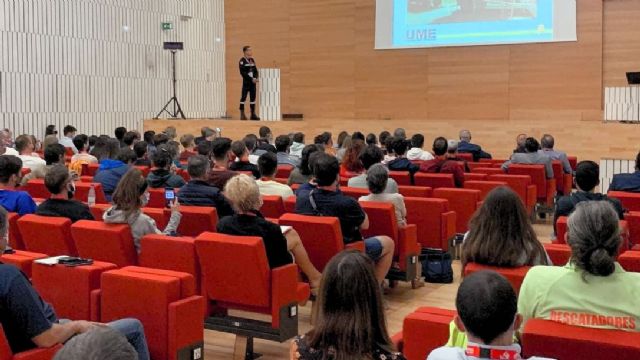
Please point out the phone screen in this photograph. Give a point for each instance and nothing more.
(169, 196)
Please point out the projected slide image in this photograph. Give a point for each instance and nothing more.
(449, 11)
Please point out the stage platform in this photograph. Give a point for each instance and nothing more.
(586, 139)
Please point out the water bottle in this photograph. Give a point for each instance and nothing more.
(91, 199)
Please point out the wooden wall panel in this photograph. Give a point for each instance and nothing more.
(621, 45)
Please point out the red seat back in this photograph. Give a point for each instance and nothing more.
(105, 242)
(47, 235)
(537, 174)
(290, 204)
(82, 192)
(401, 177)
(475, 177)
(629, 200)
(562, 229)
(487, 170)
(415, 191)
(436, 225)
(434, 181)
(272, 206)
(92, 169)
(630, 261)
(485, 187)
(521, 185)
(558, 253)
(425, 330)
(196, 220)
(320, 235)
(37, 189)
(284, 171)
(466, 156)
(355, 193)
(463, 201)
(144, 169)
(633, 221)
(558, 174)
(573, 161)
(514, 275)
(157, 198)
(15, 239)
(382, 219)
(171, 253)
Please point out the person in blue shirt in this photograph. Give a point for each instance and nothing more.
(627, 182)
(10, 175)
(401, 163)
(113, 165)
(465, 146)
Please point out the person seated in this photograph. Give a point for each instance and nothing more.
(53, 155)
(416, 152)
(587, 178)
(340, 152)
(487, 312)
(351, 165)
(532, 156)
(302, 174)
(268, 165)
(111, 170)
(6, 143)
(547, 142)
(29, 322)
(61, 203)
(141, 148)
(171, 132)
(81, 142)
(208, 135)
(441, 164)
(130, 139)
(198, 192)
(466, 146)
(352, 315)
(265, 141)
(382, 138)
(69, 132)
(26, 147)
(371, 140)
(119, 133)
(400, 133)
(452, 154)
(627, 182)
(388, 150)
(251, 141)
(297, 145)
(189, 147)
(131, 195)
(327, 200)
(163, 173)
(221, 153)
(401, 163)
(242, 191)
(370, 156)
(100, 343)
(242, 163)
(500, 234)
(11, 199)
(282, 146)
(325, 139)
(520, 140)
(377, 179)
(592, 290)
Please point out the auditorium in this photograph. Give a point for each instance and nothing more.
(319, 180)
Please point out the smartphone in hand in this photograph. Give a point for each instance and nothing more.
(169, 196)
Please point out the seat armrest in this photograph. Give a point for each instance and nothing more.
(186, 325)
(407, 243)
(398, 341)
(532, 197)
(551, 191)
(358, 245)
(284, 284)
(567, 184)
(448, 228)
(96, 305)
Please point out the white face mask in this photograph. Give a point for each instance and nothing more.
(145, 198)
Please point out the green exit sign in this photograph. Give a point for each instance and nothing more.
(167, 26)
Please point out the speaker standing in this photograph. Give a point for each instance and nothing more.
(249, 73)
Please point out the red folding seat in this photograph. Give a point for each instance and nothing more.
(564, 182)
(158, 215)
(401, 177)
(320, 235)
(15, 239)
(423, 331)
(98, 210)
(195, 219)
(171, 312)
(514, 275)
(436, 224)
(463, 201)
(35, 354)
(573, 161)
(184, 173)
(492, 161)
(104, 242)
(254, 288)
(633, 221)
(474, 165)
(382, 221)
(170, 253)
(47, 235)
(355, 193)
(487, 170)
(23, 260)
(468, 157)
(284, 171)
(272, 206)
(551, 339)
(69, 304)
(629, 200)
(25, 171)
(558, 253)
(86, 179)
(522, 186)
(82, 192)
(475, 177)
(157, 198)
(92, 169)
(484, 187)
(415, 191)
(630, 261)
(545, 188)
(36, 188)
(144, 169)
(434, 181)
(561, 233)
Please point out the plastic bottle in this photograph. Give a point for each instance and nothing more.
(91, 199)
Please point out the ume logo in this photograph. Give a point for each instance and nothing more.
(421, 34)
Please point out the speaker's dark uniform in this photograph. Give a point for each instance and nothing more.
(249, 72)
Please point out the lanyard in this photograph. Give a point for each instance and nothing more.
(493, 354)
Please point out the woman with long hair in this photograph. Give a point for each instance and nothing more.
(351, 322)
(302, 174)
(351, 161)
(130, 197)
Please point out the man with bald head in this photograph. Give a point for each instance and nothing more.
(520, 140)
(465, 146)
(547, 143)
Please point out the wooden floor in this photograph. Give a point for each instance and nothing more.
(401, 301)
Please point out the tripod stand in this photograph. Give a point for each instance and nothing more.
(177, 109)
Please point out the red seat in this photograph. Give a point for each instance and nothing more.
(423, 331)
(74, 304)
(171, 253)
(382, 221)
(564, 182)
(82, 192)
(514, 275)
(468, 157)
(630, 261)
(35, 354)
(434, 181)
(558, 253)
(158, 215)
(474, 165)
(463, 201)
(157, 198)
(436, 224)
(415, 191)
(573, 161)
(23, 260)
(475, 177)
(195, 220)
(105, 242)
(92, 169)
(487, 170)
(633, 221)
(25, 171)
(630, 201)
(485, 187)
(144, 169)
(284, 171)
(545, 188)
(15, 238)
(320, 235)
(47, 235)
(355, 193)
(171, 311)
(561, 233)
(272, 206)
(521, 185)
(551, 339)
(185, 174)
(86, 179)
(401, 177)
(492, 161)
(254, 288)
(290, 204)
(36, 188)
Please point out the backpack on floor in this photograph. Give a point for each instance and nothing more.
(436, 266)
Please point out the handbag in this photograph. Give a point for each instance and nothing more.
(436, 266)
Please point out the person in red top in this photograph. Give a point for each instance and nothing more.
(441, 164)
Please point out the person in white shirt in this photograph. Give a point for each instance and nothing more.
(5, 140)
(416, 152)
(377, 178)
(25, 148)
(69, 132)
(268, 166)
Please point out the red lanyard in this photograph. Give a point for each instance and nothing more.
(493, 354)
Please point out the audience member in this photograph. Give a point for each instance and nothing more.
(81, 142)
(268, 165)
(141, 149)
(346, 144)
(171, 132)
(207, 135)
(119, 133)
(382, 138)
(130, 139)
(189, 146)
(221, 151)
(297, 145)
(351, 322)
(198, 192)
(50, 130)
(592, 290)
(69, 132)
(452, 154)
(163, 175)
(416, 152)
(6, 144)
(327, 200)
(242, 191)
(160, 139)
(53, 155)
(400, 133)
(302, 174)
(113, 168)
(251, 141)
(351, 159)
(401, 163)
(26, 148)
(371, 140)
(466, 146)
(282, 147)
(325, 139)
(342, 136)
(370, 156)
(148, 138)
(61, 203)
(11, 199)
(377, 179)
(388, 148)
(129, 198)
(265, 141)
(99, 343)
(520, 141)
(440, 164)
(547, 142)
(242, 163)
(532, 156)
(48, 140)
(627, 182)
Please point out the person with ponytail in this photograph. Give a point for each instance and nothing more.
(592, 290)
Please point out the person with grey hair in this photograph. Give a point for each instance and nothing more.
(101, 343)
(452, 154)
(465, 146)
(377, 178)
(198, 192)
(547, 143)
(592, 290)
(399, 133)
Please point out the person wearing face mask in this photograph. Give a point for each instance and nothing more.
(129, 198)
(12, 200)
(61, 204)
